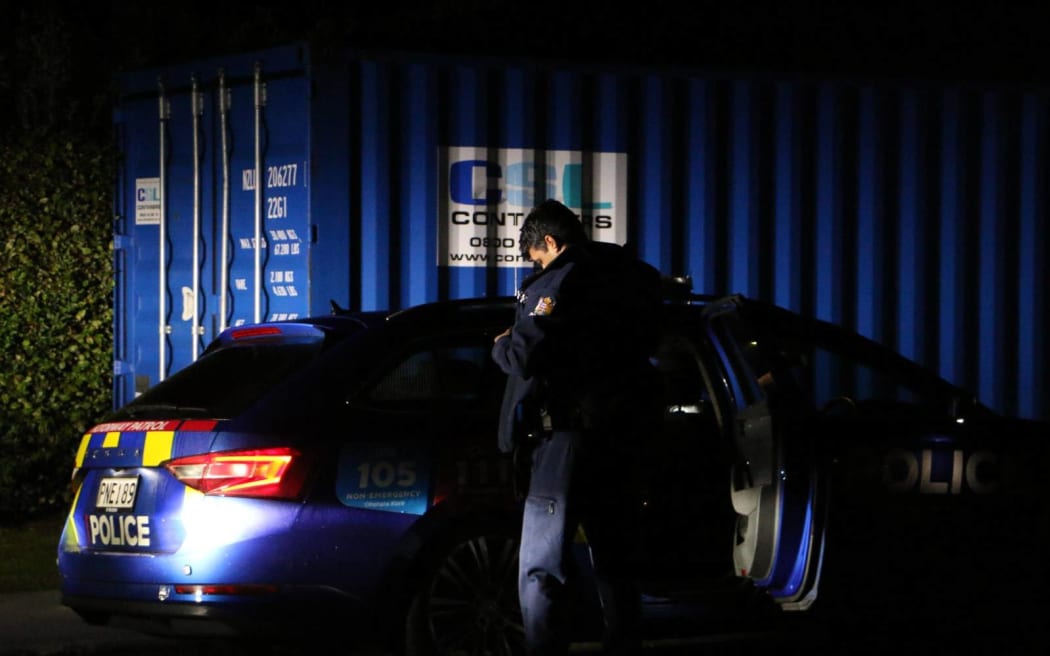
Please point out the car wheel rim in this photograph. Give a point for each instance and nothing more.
(472, 606)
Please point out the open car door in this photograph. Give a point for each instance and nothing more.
(774, 482)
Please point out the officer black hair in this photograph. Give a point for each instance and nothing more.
(550, 218)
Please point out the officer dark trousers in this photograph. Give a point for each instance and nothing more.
(560, 498)
(545, 561)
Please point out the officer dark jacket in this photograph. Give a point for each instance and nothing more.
(583, 330)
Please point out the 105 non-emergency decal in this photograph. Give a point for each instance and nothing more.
(383, 477)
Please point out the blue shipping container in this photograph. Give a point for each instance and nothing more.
(267, 185)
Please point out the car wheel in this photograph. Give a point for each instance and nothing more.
(466, 601)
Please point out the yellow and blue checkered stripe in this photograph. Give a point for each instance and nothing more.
(113, 445)
(132, 449)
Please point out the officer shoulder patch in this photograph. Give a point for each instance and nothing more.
(544, 307)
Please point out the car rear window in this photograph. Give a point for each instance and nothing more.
(222, 383)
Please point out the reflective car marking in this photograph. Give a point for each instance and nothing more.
(132, 448)
(134, 426)
(118, 530)
(382, 477)
(129, 449)
(940, 472)
(82, 450)
(157, 447)
(71, 534)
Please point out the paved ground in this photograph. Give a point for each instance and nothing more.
(36, 624)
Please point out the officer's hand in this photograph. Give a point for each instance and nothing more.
(505, 333)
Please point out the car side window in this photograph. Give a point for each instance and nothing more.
(456, 373)
(745, 356)
(413, 379)
(833, 370)
(676, 360)
(688, 410)
(820, 367)
(836, 375)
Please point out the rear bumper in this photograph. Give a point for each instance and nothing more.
(307, 610)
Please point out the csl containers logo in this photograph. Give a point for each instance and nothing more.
(487, 192)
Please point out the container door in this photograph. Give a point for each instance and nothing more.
(773, 483)
(213, 214)
(265, 276)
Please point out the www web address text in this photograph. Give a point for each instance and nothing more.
(483, 258)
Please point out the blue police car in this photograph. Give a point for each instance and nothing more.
(340, 474)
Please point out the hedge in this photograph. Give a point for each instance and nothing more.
(56, 287)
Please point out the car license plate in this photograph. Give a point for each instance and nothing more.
(117, 493)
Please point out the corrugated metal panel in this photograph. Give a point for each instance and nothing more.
(913, 213)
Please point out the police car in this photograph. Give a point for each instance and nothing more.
(340, 474)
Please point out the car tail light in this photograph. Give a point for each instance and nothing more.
(272, 473)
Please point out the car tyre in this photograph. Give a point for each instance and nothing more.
(465, 600)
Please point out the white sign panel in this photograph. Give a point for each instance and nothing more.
(487, 192)
(147, 201)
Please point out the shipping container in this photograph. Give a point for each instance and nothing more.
(269, 185)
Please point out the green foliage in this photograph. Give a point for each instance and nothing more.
(56, 285)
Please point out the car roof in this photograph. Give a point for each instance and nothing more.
(442, 311)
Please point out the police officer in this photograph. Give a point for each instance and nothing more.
(580, 388)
